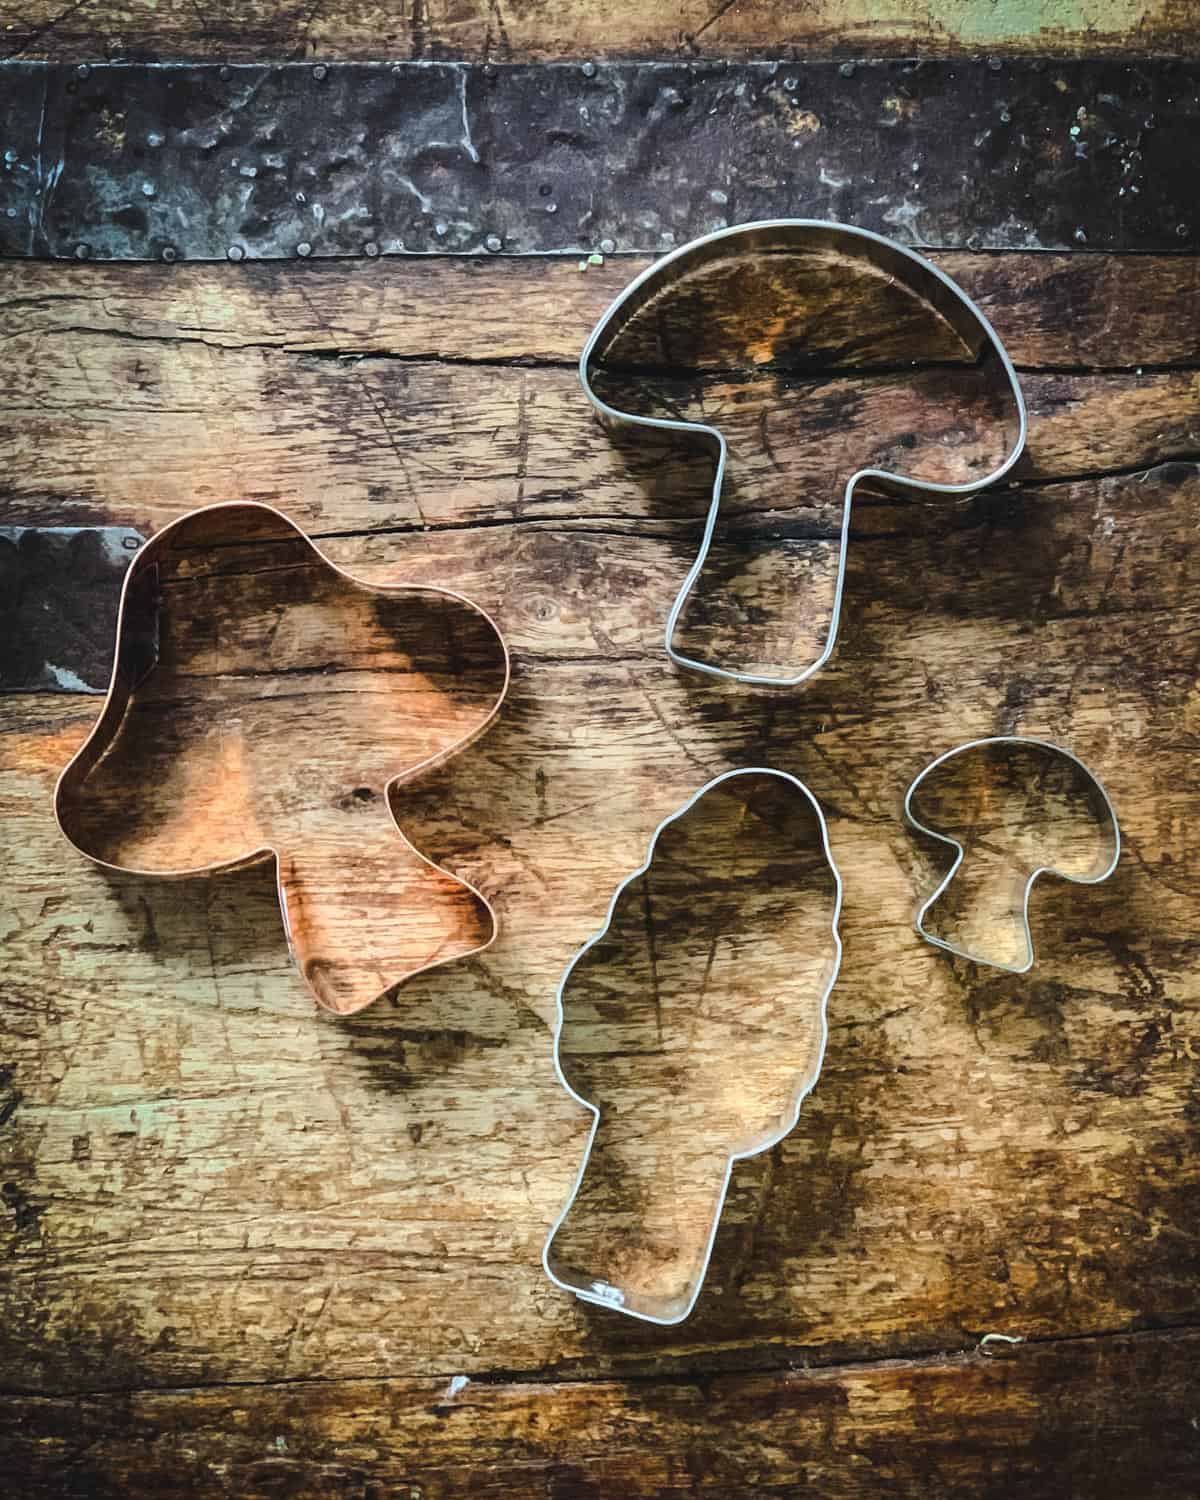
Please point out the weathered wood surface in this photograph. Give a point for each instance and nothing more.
(1075, 1418)
(489, 29)
(206, 1183)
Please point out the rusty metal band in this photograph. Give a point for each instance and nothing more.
(144, 161)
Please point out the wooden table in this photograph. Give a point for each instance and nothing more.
(251, 1251)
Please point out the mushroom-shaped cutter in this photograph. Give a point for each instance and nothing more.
(744, 250)
(691, 1027)
(265, 704)
(1013, 809)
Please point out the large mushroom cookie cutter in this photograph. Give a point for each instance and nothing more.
(260, 703)
(694, 1103)
(779, 236)
(1103, 866)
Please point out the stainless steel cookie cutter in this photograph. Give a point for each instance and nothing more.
(237, 799)
(1102, 801)
(779, 236)
(601, 1293)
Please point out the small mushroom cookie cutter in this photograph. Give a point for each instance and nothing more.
(1104, 865)
(775, 236)
(261, 699)
(699, 1187)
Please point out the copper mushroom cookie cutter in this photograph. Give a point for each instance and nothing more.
(1104, 867)
(779, 236)
(777, 1112)
(260, 699)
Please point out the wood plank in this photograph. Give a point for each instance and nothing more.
(202, 1182)
(1060, 312)
(583, 28)
(111, 430)
(207, 1184)
(1091, 1417)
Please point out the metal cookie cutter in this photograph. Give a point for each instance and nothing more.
(261, 701)
(1007, 879)
(775, 237)
(708, 1055)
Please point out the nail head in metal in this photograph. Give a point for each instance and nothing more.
(303, 248)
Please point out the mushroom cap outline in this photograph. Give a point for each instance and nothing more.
(905, 265)
(120, 691)
(611, 1297)
(960, 851)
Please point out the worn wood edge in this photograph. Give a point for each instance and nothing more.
(137, 29)
(1075, 1416)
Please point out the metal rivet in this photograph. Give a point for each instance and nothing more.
(397, 70)
(439, 228)
(235, 252)
(551, 207)
(494, 243)
(82, 252)
(790, 85)
(588, 70)
(225, 74)
(608, 247)
(847, 70)
(10, 156)
(371, 249)
(83, 70)
(320, 72)
(1081, 236)
(303, 248)
(148, 190)
(1182, 231)
(1006, 117)
(169, 253)
(995, 63)
(489, 70)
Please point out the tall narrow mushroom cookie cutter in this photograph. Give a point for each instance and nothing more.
(1102, 798)
(602, 1294)
(129, 671)
(776, 236)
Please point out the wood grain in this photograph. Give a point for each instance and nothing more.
(474, 28)
(1088, 1417)
(202, 1184)
(1054, 312)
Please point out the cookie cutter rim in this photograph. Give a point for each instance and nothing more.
(885, 254)
(960, 851)
(113, 711)
(612, 1297)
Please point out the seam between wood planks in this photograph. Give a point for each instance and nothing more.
(567, 1375)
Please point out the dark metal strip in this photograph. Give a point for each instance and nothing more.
(144, 161)
(59, 590)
